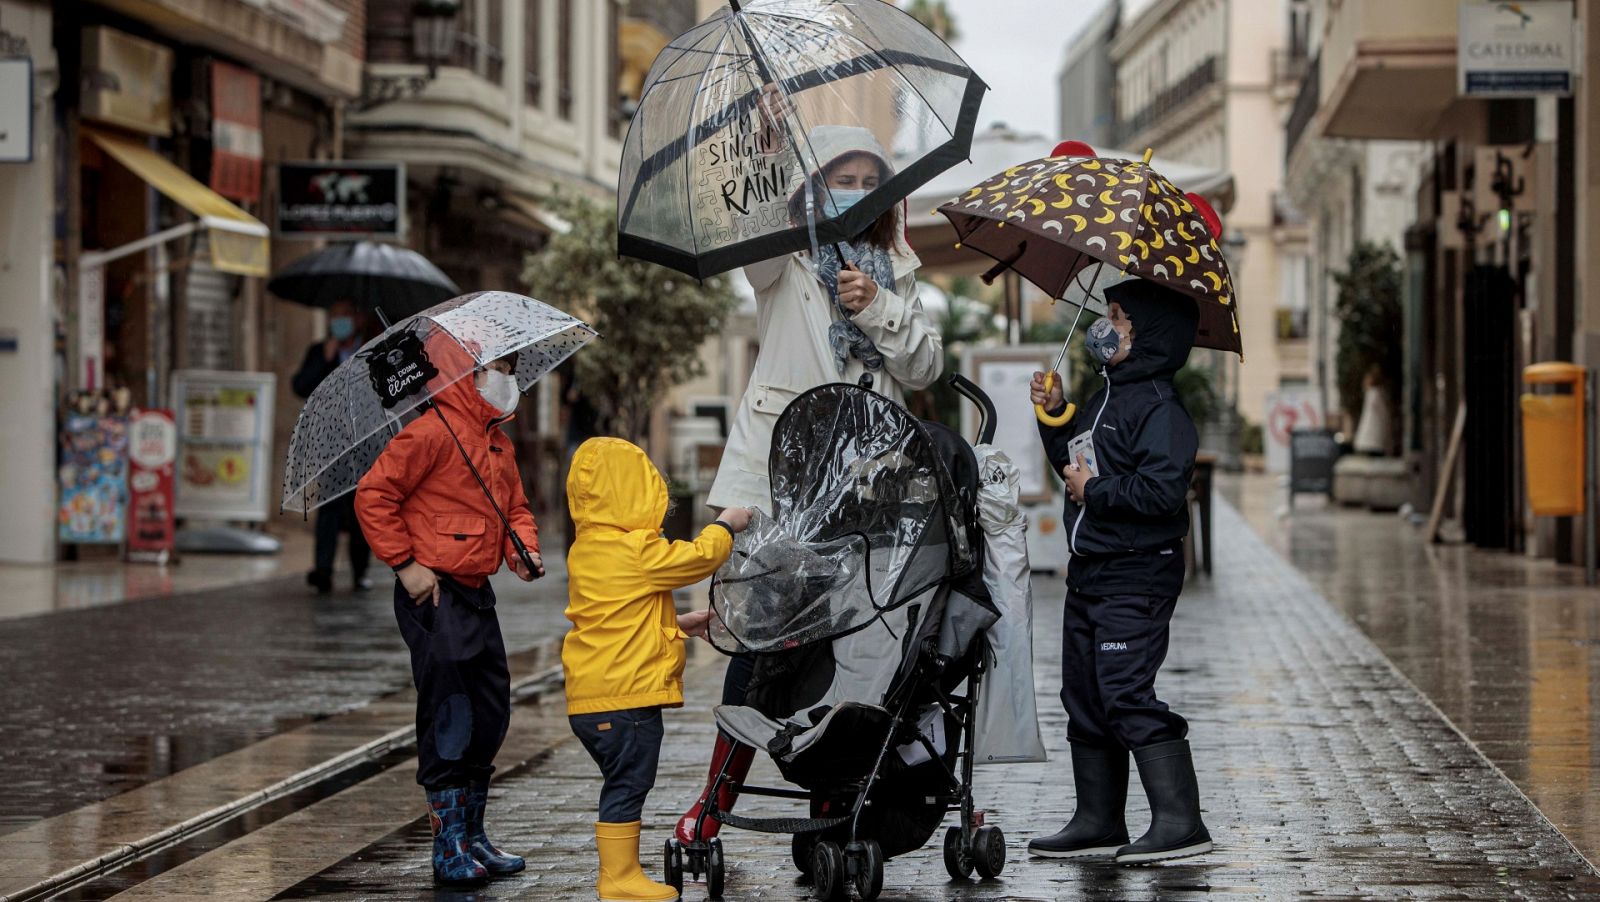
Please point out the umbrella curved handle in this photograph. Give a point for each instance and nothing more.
(1060, 419)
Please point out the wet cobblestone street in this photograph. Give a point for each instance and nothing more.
(1324, 774)
(103, 700)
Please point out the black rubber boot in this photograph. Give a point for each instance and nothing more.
(1097, 828)
(1167, 772)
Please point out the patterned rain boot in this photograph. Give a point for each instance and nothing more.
(453, 864)
(496, 862)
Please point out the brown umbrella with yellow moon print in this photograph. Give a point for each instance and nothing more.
(1059, 220)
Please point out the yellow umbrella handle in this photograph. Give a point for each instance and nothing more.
(1060, 419)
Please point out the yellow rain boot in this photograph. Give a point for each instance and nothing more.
(621, 878)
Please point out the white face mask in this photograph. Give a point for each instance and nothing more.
(499, 389)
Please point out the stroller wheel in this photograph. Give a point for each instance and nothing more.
(714, 869)
(989, 852)
(672, 859)
(800, 849)
(868, 876)
(827, 872)
(957, 859)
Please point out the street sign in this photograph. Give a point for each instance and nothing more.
(342, 200)
(1521, 49)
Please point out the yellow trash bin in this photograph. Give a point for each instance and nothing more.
(1552, 440)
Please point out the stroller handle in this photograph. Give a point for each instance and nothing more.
(968, 389)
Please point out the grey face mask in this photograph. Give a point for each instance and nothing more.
(1102, 341)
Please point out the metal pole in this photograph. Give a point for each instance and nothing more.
(1590, 455)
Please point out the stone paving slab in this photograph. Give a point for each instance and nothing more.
(59, 848)
(1324, 774)
(1507, 646)
(279, 855)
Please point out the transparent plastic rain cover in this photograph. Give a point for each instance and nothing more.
(867, 518)
(712, 177)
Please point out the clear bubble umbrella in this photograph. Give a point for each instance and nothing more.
(740, 114)
(392, 379)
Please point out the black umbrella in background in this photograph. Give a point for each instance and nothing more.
(398, 281)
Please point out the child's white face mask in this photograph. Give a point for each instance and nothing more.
(499, 389)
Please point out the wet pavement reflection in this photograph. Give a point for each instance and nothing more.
(1506, 646)
(103, 700)
(1324, 774)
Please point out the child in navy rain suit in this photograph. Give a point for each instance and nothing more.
(1127, 457)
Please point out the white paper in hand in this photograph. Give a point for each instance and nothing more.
(1084, 445)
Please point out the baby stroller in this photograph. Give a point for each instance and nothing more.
(863, 600)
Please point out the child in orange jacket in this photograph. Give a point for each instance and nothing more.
(624, 655)
(426, 516)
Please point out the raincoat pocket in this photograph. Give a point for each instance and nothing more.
(457, 539)
(766, 401)
(674, 654)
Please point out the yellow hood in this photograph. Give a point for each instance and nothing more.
(613, 484)
(625, 649)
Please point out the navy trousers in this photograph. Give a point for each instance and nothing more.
(458, 662)
(1111, 649)
(627, 746)
(333, 518)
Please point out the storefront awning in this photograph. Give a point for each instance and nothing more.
(539, 218)
(237, 241)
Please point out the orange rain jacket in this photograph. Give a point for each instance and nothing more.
(625, 649)
(419, 502)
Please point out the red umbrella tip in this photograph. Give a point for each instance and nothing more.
(1073, 149)
(1213, 221)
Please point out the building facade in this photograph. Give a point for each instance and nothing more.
(1198, 82)
(1494, 198)
(1086, 87)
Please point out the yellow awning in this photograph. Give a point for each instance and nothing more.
(238, 241)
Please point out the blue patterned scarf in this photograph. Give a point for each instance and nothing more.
(844, 336)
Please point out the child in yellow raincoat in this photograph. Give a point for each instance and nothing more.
(624, 655)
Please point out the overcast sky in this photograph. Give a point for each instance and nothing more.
(1017, 46)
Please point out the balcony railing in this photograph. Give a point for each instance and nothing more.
(1305, 106)
(394, 45)
(1173, 98)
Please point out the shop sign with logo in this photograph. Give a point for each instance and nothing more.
(341, 200)
(1516, 49)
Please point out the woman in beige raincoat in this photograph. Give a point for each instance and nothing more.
(849, 314)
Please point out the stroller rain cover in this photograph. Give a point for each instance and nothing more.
(867, 517)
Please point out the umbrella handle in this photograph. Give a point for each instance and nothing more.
(1060, 419)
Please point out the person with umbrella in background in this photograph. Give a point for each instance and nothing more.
(347, 331)
(352, 281)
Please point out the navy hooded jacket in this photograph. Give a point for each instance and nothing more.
(1127, 537)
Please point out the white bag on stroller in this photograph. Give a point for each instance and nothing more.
(1008, 712)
